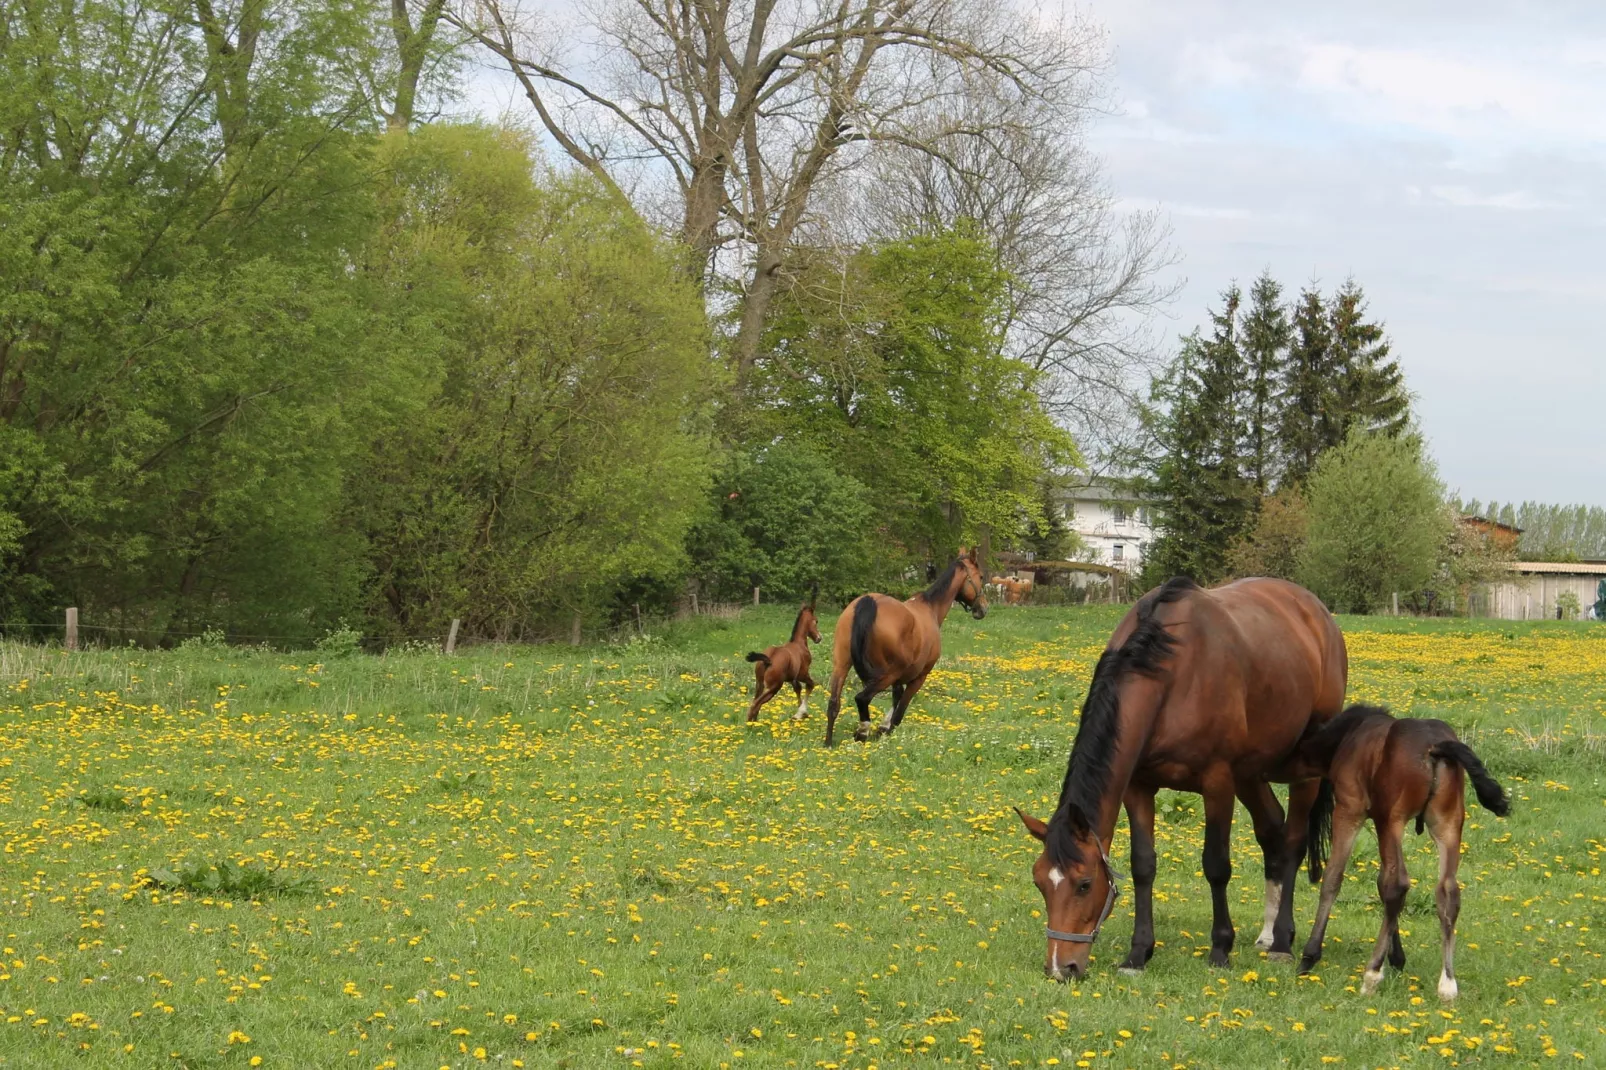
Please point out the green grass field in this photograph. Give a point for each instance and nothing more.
(551, 857)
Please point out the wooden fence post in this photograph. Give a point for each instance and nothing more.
(638, 618)
(694, 603)
(451, 636)
(755, 596)
(1396, 603)
(72, 628)
(574, 632)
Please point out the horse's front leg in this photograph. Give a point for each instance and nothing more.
(1140, 817)
(1296, 838)
(1219, 802)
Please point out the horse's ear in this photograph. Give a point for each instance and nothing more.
(1033, 825)
(931, 571)
(971, 553)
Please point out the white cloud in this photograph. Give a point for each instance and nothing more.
(1514, 201)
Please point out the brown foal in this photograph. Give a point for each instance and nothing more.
(787, 663)
(1391, 770)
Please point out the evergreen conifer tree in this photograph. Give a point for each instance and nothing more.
(1305, 426)
(1205, 500)
(1266, 335)
(1371, 391)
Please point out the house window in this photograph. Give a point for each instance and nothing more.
(1118, 552)
(1143, 515)
(1070, 510)
(1118, 512)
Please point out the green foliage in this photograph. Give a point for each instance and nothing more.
(1196, 471)
(226, 880)
(889, 362)
(341, 641)
(564, 450)
(784, 519)
(1377, 522)
(1275, 545)
(1266, 336)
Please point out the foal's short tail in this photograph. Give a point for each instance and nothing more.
(756, 656)
(1490, 795)
(1319, 831)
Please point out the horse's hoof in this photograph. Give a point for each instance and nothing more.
(1279, 956)
(1219, 960)
(1370, 980)
(1306, 964)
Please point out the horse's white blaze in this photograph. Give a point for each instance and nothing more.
(1274, 895)
(1056, 876)
(1370, 980)
(1448, 989)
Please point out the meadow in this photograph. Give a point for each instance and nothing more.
(560, 857)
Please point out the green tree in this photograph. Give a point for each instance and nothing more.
(785, 520)
(1276, 544)
(1370, 391)
(187, 361)
(890, 362)
(1266, 335)
(565, 449)
(1377, 522)
(1308, 389)
(1203, 498)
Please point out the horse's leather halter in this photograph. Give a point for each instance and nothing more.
(1109, 905)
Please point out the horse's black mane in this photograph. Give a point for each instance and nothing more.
(939, 586)
(1087, 773)
(798, 623)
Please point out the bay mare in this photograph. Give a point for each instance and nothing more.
(1208, 691)
(893, 644)
(787, 663)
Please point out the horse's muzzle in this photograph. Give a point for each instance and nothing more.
(978, 611)
(1071, 971)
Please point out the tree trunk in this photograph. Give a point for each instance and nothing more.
(755, 311)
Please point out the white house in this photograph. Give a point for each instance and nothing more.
(1115, 524)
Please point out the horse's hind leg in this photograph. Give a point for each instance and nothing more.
(1445, 827)
(1346, 823)
(888, 723)
(1296, 831)
(1140, 817)
(803, 703)
(1393, 884)
(862, 700)
(1267, 814)
(1219, 802)
(833, 707)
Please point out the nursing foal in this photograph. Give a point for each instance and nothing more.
(1390, 770)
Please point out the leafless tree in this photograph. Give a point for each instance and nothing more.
(744, 109)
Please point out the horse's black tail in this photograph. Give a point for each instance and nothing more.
(859, 638)
(756, 656)
(1319, 831)
(1490, 795)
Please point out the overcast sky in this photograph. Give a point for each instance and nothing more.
(1452, 157)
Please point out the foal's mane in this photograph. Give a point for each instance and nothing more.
(797, 625)
(939, 586)
(1087, 773)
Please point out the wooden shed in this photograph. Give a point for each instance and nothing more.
(1534, 587)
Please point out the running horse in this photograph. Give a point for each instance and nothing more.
(893, 644)
(1207, 691)
(787, 663)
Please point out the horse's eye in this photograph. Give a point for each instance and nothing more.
(1084, 887)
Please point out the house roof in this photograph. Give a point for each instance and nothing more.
(1101, 491)
(1560, 568)
(1474, 518)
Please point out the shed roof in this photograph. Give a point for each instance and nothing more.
(1560, 568)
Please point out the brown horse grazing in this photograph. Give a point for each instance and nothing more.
(788, 663)
(1203, 691)
(894, 644)
(1391, 770)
